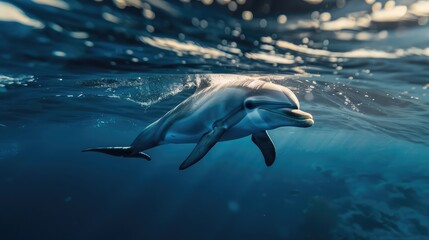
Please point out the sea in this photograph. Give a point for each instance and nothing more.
(88, 73)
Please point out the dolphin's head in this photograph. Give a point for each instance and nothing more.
(271, 106)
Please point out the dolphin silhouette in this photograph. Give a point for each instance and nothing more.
(221, 112)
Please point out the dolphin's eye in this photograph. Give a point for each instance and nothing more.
(249, 105)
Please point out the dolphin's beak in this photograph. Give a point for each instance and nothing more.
(298, 117)
(304, 119)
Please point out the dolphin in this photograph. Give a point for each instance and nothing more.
(221, 112)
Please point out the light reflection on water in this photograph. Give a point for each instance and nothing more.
(349, 46)
(222, 35)
(112, 67)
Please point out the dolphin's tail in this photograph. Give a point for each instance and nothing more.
(120, 152)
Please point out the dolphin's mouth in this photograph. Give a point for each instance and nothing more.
(304, 119)
(300, 116)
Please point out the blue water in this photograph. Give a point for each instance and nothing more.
(78, 74)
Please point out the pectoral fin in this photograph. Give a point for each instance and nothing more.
(206, 142)
(264, 143)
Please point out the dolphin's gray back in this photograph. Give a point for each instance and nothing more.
(197, 114)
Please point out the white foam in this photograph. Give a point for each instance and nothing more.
(420, 8)
(269, 58)
(394, 14)
(19, 80)
(183, 47)
(357, 53)
(11, 13)
(53, 3)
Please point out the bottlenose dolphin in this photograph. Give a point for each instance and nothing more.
(221, 112)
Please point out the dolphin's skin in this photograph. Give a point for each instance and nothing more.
(221, 112)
